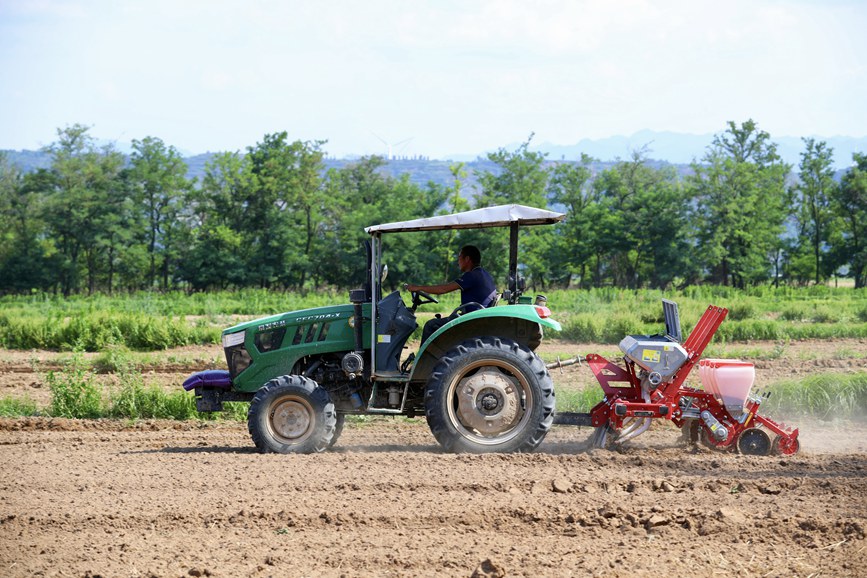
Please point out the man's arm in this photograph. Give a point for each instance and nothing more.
(433, 289)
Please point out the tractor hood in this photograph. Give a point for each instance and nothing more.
(317, 314)
(500, 216)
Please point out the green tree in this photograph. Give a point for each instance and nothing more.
(14, 213)
(570, 186)
(739, 197)
(159, 186)
(812, 208)
(80, 203)
(282, 208)
(850, 204)
(25, 253)
(213, 258)
(361, 195)
(644, 228)
(520, 177)
(305, 200)
(221, 197)
(455, 203)
(215, 254)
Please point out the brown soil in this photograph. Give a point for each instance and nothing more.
(87, 498)
(169, 499)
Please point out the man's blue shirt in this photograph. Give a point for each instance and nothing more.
(476, 285)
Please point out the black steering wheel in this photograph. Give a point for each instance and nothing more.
(421, 298)
(465, 308)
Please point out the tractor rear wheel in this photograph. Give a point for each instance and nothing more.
(292, 414)
(489, 395)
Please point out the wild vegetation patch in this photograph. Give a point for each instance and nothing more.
(153, 321)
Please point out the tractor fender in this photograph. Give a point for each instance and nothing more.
(520, 323)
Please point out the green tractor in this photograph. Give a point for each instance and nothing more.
(477, 379)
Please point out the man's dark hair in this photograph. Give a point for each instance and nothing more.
(473, 253)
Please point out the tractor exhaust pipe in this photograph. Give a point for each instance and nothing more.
(356, 297)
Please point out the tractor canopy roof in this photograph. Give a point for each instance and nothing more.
(500, 216)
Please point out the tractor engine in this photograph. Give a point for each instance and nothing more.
(327, 371)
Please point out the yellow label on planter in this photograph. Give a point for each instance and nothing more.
(650, 355)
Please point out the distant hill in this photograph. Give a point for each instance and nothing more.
(679, 148)
(28, 161)
(420, 171)
(664, 148)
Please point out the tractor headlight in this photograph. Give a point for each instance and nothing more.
(233, 339)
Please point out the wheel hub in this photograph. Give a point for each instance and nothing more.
(290, 419)
(489, 402)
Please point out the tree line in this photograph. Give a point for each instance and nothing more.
(274, 217)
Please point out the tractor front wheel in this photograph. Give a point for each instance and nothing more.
(338, 429)
(489, 395)
(292, 414)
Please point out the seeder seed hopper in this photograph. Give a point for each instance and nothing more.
(722, 413)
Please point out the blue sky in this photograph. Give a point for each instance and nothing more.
(431, 78)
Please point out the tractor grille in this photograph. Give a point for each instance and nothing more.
(238, 359)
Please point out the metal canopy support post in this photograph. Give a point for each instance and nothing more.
(376, 247)
(513, 258)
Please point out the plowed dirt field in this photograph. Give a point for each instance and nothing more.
(165, 499)
(88, 498)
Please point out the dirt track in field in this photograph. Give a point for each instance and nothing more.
(87, 498)
(168, 499)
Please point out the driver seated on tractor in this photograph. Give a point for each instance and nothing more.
(477, 288)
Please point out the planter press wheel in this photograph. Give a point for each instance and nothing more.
(754, 442)
(785, 447)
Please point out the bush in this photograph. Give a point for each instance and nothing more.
(135, 401)
(753, 329)
(236, 410)
(99, 331)
(74, 392)
(580, 400)
(794, 313)
(115, 359)
(824, 314)
(827, 396)
(619, 325)
(582, 328)
(742, 310)
(14, 407)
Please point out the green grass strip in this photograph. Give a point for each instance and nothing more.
(824, 396)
